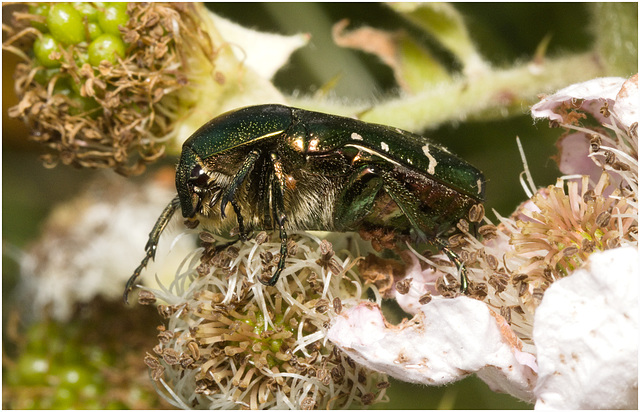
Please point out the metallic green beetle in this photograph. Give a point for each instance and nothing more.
(273, 167)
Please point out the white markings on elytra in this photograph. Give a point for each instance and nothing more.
(368, 150)
(384, 146)
(356, 136)
(432, 160)
(479, 183)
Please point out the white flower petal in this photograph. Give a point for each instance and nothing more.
(240, 74)
(594, 93)
(92, 244)
(265, 53)
(447, 340)
(586, 335)
(573, 156)
(628, 102)
(422, 282)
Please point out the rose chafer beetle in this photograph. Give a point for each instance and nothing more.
(273, 167)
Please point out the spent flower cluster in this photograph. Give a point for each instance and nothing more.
(107, 114)
(230, 342)
(122, 99)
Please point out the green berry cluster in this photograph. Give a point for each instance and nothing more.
(59, 371)
(90, 31)
(91, 361)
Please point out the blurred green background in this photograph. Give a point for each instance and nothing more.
(504, 33)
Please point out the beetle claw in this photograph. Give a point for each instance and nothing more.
(455, 258)
(223, 206)
(152, 244)
(272, 280)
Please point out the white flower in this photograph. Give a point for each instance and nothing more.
(586, 335)
(614, 103)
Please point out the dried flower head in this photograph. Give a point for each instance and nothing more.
(230, 342)
(107, 101)
(117, 84)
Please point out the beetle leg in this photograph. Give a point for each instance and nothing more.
(408, 203)
(277, 197)
(284, 252)
(236, 208)
(152, 243)
(228, 196)
(455, 258)
(359, 194)
(357, 197)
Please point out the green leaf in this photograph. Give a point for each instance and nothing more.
(413, 66)
(420, 69)
(443, 22)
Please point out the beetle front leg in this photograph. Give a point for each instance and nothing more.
(152, 243)
(229, 194)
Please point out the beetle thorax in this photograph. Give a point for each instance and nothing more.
(308, 197)
(310, 200)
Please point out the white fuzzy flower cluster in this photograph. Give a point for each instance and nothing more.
(90, 243)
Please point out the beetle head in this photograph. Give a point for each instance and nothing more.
(191, 182)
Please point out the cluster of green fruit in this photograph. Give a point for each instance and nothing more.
(93, 30)
(59, 371)
(77, 365)
(74, 23)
